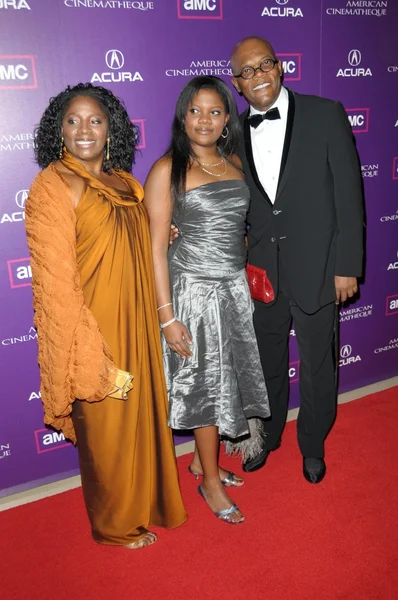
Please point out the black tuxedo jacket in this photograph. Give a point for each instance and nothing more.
(315, 227)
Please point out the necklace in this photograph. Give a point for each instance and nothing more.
(211, 164)
(214, 174)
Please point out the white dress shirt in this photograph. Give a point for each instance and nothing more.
(267, 143)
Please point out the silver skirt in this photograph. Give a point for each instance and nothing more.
(222, 383)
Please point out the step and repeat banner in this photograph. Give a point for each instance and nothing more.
(145, 51)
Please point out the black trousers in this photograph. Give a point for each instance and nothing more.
(315, 336)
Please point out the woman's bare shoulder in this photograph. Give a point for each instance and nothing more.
(162, 166)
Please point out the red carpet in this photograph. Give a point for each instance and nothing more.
(337, 540)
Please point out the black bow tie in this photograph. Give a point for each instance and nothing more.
(271, 115)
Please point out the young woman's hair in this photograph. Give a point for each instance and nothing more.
(180, 148)
(122, 132)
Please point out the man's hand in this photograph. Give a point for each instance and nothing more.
(173, 233)
(346, 287)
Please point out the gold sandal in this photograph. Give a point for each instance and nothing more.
(147, 540)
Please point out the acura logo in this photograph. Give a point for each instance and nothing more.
(345, 351)
(354, 58)
(282, 2)
(114, 59)
(20, 198)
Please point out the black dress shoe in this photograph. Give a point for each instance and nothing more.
(253, 464)
(314, 469)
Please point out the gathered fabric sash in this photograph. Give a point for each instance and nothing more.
(99, 188)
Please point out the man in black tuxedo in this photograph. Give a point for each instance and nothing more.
(306, 231)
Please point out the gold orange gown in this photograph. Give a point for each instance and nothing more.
(107, 310)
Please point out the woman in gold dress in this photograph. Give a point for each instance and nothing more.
(95, 313)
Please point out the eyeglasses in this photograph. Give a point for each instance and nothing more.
(265, 66)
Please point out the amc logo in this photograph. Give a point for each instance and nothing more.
(200, 9)
(47, 440)
(395, 168)
(19, 272)
(359, 119)
(392, 305)
(294, 371)
(291, 64)
(141, 126)
(17, 72)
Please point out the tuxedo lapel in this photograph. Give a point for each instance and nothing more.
(291, 143)
(250, 159)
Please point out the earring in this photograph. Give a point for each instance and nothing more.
(108, 154)
(182, 126)
(61, 150)
(225, 132)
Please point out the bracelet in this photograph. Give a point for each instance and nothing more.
(163, 325)
(163, 305)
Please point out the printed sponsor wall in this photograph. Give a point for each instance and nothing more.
(145, 51)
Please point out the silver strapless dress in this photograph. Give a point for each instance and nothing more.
(222, 383)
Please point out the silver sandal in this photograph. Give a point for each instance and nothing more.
(223, 514)
(229, 481)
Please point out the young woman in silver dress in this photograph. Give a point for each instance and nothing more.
(213, 370)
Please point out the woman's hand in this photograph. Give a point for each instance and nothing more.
(173, 233)
(178, 338)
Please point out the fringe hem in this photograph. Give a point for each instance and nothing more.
(248, 446)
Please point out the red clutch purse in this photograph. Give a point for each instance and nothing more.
(260, 286)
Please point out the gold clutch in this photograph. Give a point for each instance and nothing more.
(123, 384)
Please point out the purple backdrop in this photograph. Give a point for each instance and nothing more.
(145, 51)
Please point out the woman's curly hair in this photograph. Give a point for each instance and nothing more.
(123, 133)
